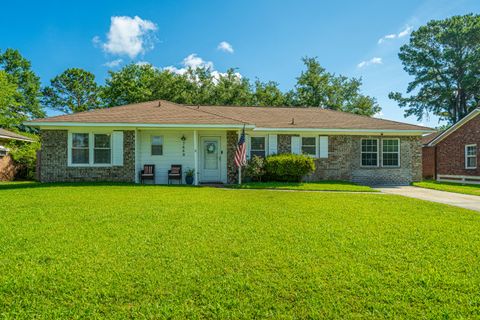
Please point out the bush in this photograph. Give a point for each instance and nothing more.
(24, 155)
(255, 168)
(288, 167)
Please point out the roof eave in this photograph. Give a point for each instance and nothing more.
(453, 128)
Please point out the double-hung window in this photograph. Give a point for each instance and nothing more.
(102, 151)
(369, 152)
(390, 152)
(90, 149)
(257, 147)
(157, 146)
(309, 146)
(80, 148)
(471, 156)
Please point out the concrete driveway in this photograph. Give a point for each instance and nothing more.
(455, 199)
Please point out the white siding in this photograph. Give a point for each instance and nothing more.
(296, 145)
(117, 148)
(172, 152)
(323, 150)
(272, 144)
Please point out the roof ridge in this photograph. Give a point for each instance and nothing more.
(215, 114)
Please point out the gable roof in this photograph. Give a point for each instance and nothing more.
(475, 112)
(429, 137)
(9, 135)
(167, 113)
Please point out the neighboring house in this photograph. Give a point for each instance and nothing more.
(452, 155)
(114, 144)
(7, 167)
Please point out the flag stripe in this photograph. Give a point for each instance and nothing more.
(241, 152)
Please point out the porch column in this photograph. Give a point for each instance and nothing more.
(195, 156)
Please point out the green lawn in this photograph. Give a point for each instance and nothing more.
(311, 186)
(450, 186)
(126, 251)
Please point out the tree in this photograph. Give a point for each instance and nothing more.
(444, 59)
(26, 100)
(74, 90)
(9, 105)
(316, 87)
(268, 94)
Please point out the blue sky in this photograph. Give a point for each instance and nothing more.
(267, 38)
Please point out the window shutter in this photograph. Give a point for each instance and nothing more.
(323, 147)
(117, 152)
(272, 144)
(295, 141)
(247, 141)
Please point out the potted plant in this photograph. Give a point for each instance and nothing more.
(189, 176)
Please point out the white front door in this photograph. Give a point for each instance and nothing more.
(210, 169)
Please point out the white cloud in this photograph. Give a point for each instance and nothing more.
(113, 63)
(366, 63)
(401, 34)
(379, 114)
(128, 36)
(225, 47)
(193, 61)
(143, 63)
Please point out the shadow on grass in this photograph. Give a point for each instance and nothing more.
(35, 185)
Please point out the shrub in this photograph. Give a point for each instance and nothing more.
(288, 167)
(255, 168)
(24, 154)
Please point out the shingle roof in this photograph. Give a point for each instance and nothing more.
(429, 137)
(9, 135)
(164, 112)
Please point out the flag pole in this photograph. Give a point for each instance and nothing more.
(240, 175)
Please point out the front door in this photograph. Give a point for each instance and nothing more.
(210, 159)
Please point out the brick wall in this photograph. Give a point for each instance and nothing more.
(54, 161)
(343, 162)
(428, 162)
(7, 168)
(451, 150)
(232, 139)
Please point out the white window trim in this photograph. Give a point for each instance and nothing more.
(467, 156)
(378, 153)
(163, 145)
(91, 145)
(316, 145)
(265, 148)
(397, 166)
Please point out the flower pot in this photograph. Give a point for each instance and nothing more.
(189, 179)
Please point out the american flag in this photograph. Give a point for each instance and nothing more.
(241, 153)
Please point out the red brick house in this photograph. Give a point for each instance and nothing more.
(452, 155)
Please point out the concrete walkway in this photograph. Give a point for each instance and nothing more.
(455, 199)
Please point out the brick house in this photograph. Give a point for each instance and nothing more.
(8, 169)
(451, 155)
(114, 144)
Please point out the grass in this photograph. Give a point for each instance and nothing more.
(123, 251)
(450, 186)
(332, 185)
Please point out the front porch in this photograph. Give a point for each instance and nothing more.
(205, 151)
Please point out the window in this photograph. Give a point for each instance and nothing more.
(471, 156)
(257, 146)
(80, 148)
(309, 146)
(390, 152)
(157, 145)
(101, 149)
(369, 152)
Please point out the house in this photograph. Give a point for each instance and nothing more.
(452, 155)
(114, 144)
(7, 166)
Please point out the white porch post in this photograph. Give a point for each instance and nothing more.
(195, 155)
(136, 155)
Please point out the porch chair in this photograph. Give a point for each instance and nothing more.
(175, 173)
(148, 173)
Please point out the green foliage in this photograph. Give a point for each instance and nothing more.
(122, 251)
(268, 95)
(444, 59)
(288, 167)
(24, 154)
(74, 90)
(318, 88)
(255, 168)
(19, 90)
(190, 172)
